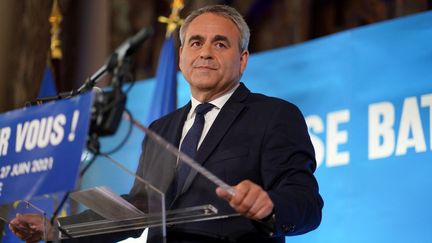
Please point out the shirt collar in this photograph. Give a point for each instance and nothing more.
(218, 102)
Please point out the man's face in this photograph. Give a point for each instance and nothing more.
(210, 58)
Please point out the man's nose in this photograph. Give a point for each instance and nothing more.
(206, 51)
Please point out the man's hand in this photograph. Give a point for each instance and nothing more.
(29, 227)
(250, 200)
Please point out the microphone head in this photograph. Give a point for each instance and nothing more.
(138, 39)
(129, 46)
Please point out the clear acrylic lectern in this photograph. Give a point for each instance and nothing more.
(108, 211)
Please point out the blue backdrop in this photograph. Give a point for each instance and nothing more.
(367, 97)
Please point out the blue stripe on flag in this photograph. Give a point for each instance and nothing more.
(48, 87)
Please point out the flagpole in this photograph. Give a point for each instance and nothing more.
(174, 20)
(56, 54)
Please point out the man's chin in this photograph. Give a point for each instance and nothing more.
(205, 87)
(204, 83)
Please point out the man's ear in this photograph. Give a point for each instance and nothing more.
(244, 57)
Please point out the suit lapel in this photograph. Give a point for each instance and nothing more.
(172, 133)
(177, 126)
(221, 125)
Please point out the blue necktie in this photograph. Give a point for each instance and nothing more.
(190, 143)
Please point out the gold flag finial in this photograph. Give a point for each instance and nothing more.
(55, 19)
(174, 20)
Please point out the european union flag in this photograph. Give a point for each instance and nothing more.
(48, 87)
(165, 94)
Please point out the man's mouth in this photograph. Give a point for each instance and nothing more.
(205, 67)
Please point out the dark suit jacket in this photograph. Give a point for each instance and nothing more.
(254, 137)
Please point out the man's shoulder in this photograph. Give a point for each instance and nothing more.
(168, 118)
(265, 101)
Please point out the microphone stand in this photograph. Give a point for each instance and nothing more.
(111, 112)
(121, 54)
(88, 84)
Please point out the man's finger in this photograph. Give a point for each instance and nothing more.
(34, 238)
(31, 219)
(261, 201)
(251, 199)
(242, 189)
(223, 194)
(263, 212)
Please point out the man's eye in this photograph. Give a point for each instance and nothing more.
(220, 45)
(195, 44)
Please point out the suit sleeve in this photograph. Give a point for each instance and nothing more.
(288, 164)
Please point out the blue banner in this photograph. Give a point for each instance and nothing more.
(41, 147)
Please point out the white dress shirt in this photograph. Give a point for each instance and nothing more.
(209, 117)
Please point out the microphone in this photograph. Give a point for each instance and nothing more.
(126, 49)
(133, 43)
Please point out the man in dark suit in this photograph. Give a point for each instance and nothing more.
(256, 143)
